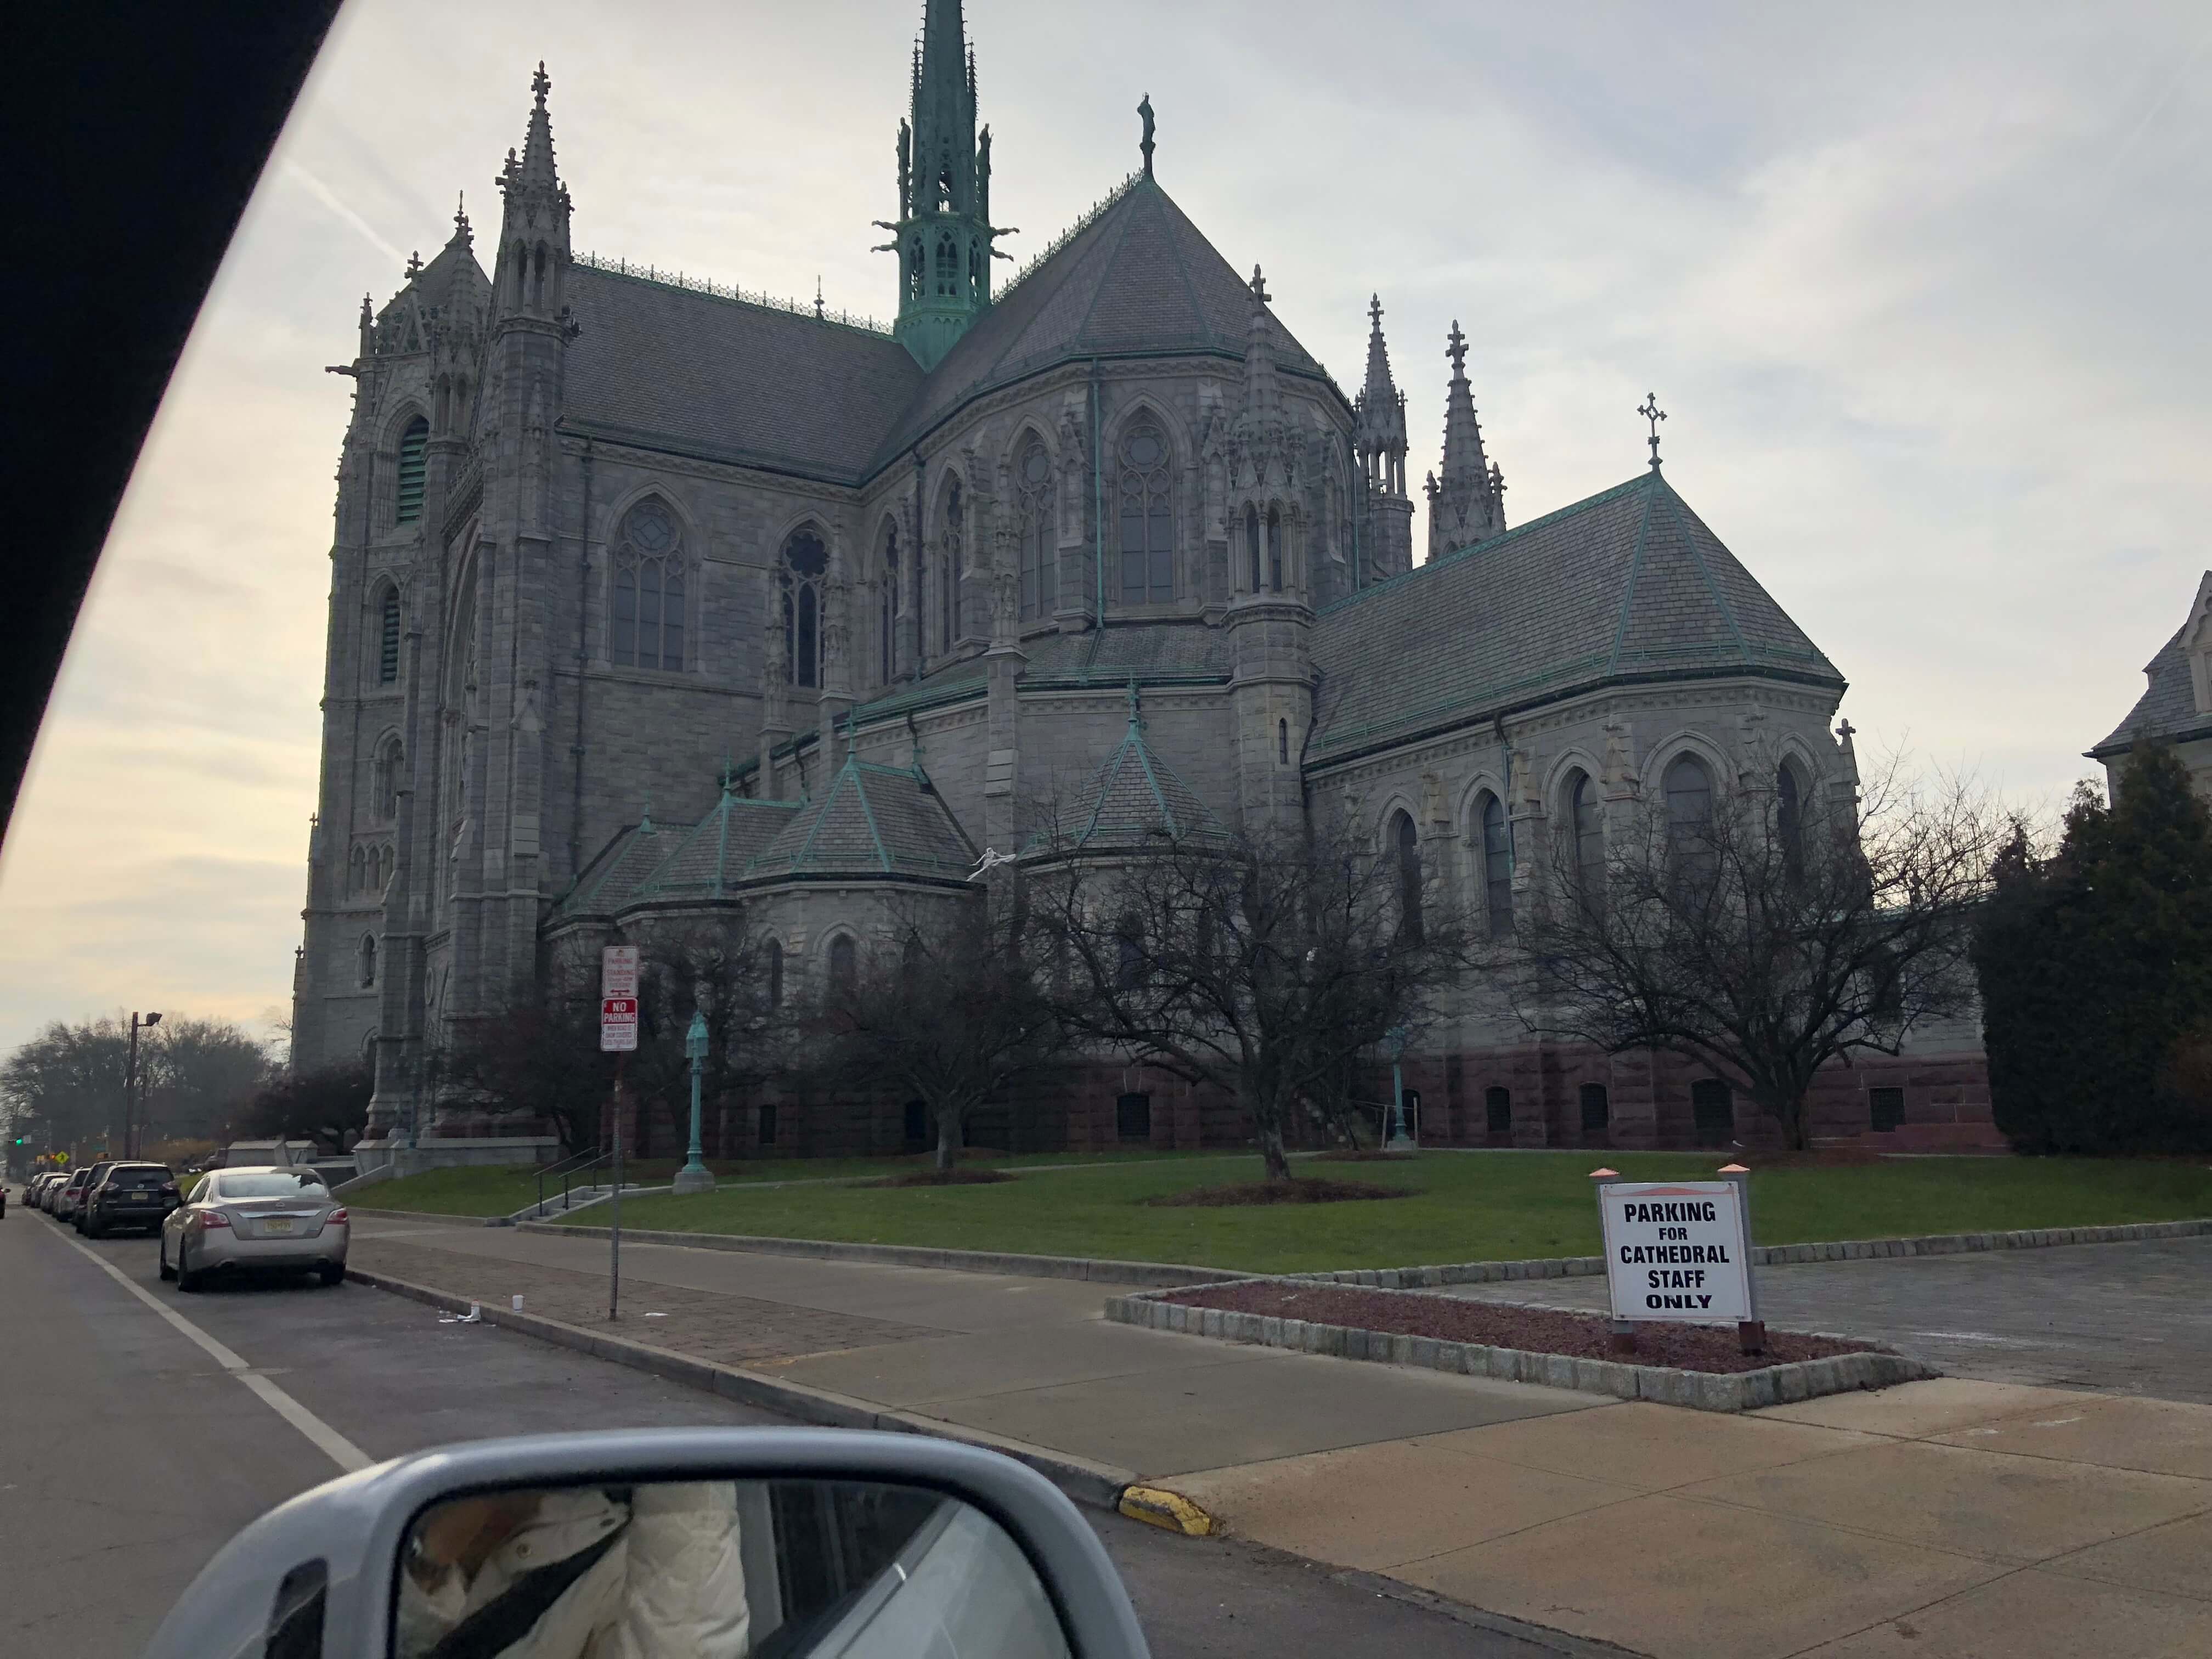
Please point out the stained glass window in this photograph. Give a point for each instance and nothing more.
(647, 619)
(1147, 517)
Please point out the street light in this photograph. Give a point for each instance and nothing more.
(1397, 1140)
(130, 1076)
(694, 1177)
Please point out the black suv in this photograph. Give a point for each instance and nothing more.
(127, 1195)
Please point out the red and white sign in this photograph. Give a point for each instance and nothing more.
(618, 999)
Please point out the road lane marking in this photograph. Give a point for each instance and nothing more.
(334, 1445)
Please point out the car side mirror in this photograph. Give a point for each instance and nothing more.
(839, 1544)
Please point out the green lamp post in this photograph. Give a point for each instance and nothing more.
(694, 1177)
(1398, 1140)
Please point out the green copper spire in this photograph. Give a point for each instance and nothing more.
(943, 227)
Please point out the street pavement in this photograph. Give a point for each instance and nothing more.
(129, 1455)
(1947, 1519)
(2127, 1319)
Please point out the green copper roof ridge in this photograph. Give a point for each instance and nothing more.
(1635, 571)
(1674, 506)
(1152, 779)
(722, 842)
(1107, 775)
(867, 811)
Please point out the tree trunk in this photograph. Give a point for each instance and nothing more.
(948, 1139)
(1790, 1114)
(1271, 1149)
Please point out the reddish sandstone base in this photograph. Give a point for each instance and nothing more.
(1530, 1096)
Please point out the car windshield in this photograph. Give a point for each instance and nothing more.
(272, 1183)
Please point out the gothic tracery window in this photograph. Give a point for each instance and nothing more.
(1252, 542)
(647, 618)
(1588, 831)
(1406, 846)
(1275, 549)
(954, 537)
(1789, 819)
(1147, 517)
(888, 610)
(1040, 574)
(805, 558)
(1497, 866)
(384, 775)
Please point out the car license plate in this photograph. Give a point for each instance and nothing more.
(277, 1223)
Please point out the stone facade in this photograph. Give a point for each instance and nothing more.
(651, 603)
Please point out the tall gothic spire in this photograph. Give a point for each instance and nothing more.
(943, 228)
(1379, 436)
(1468, 504)
(533, 237)
(1263, 395)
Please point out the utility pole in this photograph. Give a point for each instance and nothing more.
(130, 1079)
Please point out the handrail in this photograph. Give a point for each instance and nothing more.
(564, 1168)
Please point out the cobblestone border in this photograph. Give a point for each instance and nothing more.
(1765, 1255)
(1665, 1385)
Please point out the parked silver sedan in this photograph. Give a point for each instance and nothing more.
(249, 1220)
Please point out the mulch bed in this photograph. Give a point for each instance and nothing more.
(1304, 1190)
(1539, 1330)
(954, 1177)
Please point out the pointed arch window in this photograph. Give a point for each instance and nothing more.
(367, 961)
(1497, 866)
(413, 446)
(1406, 843)
(1275, 549)
(387, 636)
(1040, 559)
(647, 619)
(805, 560)
(1789, 820)
(1252, 541)
(887, 646)
(1587, 824)
(954, 535)
(844, 965)
(1147, 517)
(1282, 743)
(384, 775)
(1689, 788)
(775, 973)
(948, 268)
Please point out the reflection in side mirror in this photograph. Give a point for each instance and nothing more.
(838, 1569)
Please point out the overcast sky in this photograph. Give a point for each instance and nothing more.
(1920, 286)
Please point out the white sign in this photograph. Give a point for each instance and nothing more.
(1676, 1250)
(618, 971)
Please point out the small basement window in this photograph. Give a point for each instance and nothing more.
(1887, 1109)
(1498, 1110)
(1133, 1117)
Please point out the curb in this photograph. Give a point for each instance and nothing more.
(1170, 1512)
(1156, 1275)
(1664, 1385)
(1100, 1485)
(1762, 1255)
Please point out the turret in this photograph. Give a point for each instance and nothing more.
(1467, 505)
(531, 271)
(1379, 437)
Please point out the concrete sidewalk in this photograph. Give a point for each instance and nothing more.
(1947, 1518)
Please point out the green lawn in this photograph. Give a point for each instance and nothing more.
(1467, 1206)
(502, 1191)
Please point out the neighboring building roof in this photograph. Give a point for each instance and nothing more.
(1136, 798)
(1138, 279)
(671, 367)
(870, 821)
(1627, 585)
(2167, 708)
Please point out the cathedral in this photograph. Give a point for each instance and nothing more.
(652, 600)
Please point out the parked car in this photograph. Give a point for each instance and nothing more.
(249, 1220)
(94, 1176)
(50, 1186)
(34, 1189)
(130, 1195)
(66, 1195)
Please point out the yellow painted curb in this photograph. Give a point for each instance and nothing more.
(1171, 1510)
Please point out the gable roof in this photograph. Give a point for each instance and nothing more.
(871, 821)
(710, 860)
(610, 880)
(672, 368)
(1627, 585)
(1138, 279)
(2167, 708)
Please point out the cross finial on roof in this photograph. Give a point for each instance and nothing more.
(1846, 731)
(1375, 312)
(541, 83)
(645, 824)
(729, 775)
(817, 297)
(1259, 286)
(461, 214)
(1456, 351)
(414, 265)
(1649, 410)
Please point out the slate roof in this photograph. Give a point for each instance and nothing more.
(1627, 585)
(1139, 278)
(710, 861)
(2167, 708)
(1136, 797)
(870, 821)
(671, 367)
(610, 882)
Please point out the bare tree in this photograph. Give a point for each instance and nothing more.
(1265, 965)
(540, 1060)
(720, 970)
(948, 1007)
(1761, 940)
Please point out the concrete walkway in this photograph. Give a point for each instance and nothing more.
(1941, 1519)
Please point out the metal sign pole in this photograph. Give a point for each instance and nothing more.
(1622, 1332)
(614, 1229)
(1750, 1333)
